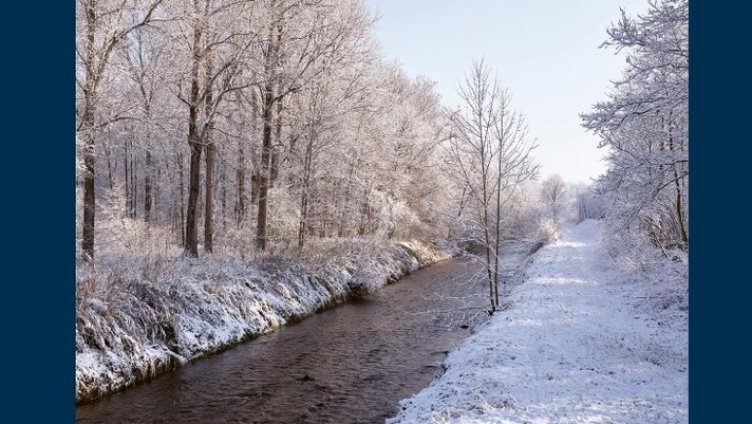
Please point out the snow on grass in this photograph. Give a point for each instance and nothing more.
(137, 317)
(582, 342)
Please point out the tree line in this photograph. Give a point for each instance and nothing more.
(274, 120)
(249, 125)
(278, 118)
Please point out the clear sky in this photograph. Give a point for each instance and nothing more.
(544, 51)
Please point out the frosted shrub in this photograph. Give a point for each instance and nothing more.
(117, 234)
(131, 236)
(634, 250)
(548, 231)
(666, 270)
(236, 241)
(401, 221)
(525, 224)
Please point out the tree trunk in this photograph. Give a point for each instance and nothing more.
(484, 218)
(253, 150)
(678, 204)
(194, 183)
(208, 140)
(181, 203)
(365, 213)
(147, 187)
(209, 201)
(680, 214)
(497, 241)
(488, 266)
(274, 170)
(223, 196)
(263, 180)
(255, 181)
(191, 236)
(126, 180)
(134, 185)
(303, 218)
(156, 175)
(307, 161)
(497, 238)
(270, 64)
(89, 206)
(88, 125)
(110, 174)
(240, 192)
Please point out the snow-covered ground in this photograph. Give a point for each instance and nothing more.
(139, 317)
(583, 341)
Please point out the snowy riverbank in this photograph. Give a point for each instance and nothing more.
(135, 323)
(582, 342)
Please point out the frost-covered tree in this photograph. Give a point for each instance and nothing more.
(490, 153)
(297, 35)
(101, 26)
(216, 44)
(644, 126)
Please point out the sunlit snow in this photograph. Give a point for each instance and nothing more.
(575, 346)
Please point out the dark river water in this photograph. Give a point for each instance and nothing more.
(350, 364)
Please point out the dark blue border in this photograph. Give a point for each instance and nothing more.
(38, 211)
(720, 300)
(38, 313)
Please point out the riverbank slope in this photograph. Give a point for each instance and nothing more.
(149, 316)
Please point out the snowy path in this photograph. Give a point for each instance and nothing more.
(572, 348)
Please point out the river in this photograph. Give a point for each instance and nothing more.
(350, 364)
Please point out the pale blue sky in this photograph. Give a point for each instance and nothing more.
(544, 51)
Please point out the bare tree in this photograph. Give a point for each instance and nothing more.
(217, 47)
(490, 150)
(326, 109)
(299, 33)
(101, 27)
